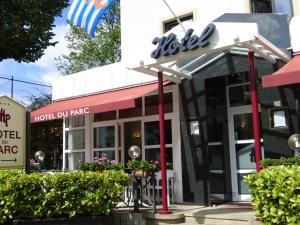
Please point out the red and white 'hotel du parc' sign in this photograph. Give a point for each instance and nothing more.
(59, 114)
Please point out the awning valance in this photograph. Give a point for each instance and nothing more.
(103, 102)
(288, 74)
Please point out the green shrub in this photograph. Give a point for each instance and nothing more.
(281, 161)
(141, 165)
(59, 195)
(276, 194)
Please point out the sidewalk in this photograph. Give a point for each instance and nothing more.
(225, 214)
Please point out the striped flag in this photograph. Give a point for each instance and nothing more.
(87, 13)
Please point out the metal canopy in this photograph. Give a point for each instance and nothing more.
(183, 65)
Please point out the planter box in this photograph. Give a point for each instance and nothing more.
(95, 220)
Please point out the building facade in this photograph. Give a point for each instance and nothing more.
(208, 114)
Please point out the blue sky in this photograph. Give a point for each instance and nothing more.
(42, 71)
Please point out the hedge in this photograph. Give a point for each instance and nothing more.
(281, 161)
(276, 194)
(37, 196)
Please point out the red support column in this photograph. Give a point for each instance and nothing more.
(165, 209)
(255, 111)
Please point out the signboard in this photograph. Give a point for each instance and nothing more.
(170, 45)
(12, 133)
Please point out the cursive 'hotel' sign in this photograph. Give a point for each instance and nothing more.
(170, 45)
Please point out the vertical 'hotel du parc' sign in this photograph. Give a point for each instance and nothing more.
(12, 133)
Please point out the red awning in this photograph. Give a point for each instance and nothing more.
(104, 102)
(288, 74)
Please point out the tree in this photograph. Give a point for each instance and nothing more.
(39, 101)
(86, 52)
(26, 27)
(46, 136)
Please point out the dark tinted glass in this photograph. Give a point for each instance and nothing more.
(104, 137)
(151, 104)
(132, 112)
(152, 134)
(111, 115)
(154, 154)
(215, 129)
(216, 157)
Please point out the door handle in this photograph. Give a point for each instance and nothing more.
(252, 155)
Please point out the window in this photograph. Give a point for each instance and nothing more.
(111, 115)
(132, 112)
(151, 104)
(272, 6)
(74, 122)
(168, 25)
(104, 142)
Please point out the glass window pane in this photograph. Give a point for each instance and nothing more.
(154, 154)
(111, 115)
(73, 122)
(104, 137)
(243, 126)
(151, 104)
(262, 6)
(283, 6)
(173, 23)
(152, 132)
(215, 100)
(239, 95)
(75, 139)
(108, 154)
(243, 188)
(215, 129)
(132, 112)
(216, 157)
(245, 156)
(74, 159)
(217, 183)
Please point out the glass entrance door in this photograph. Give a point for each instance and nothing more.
(241, 139)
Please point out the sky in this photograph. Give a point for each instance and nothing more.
(42, 71)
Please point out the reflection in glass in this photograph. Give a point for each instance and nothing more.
(245, 156)
(239, 77)
(108, 154)
(75, 139)
(154, 154)
(151, 103)
(243, 188)
(152, 132)
(216, 157)
(74, 159)
(103, 116)
(217, 183)
(104, 137)
(73, 122)
(243, 129)
(132, 112)
(283, 6)
(215, 128)
(239, 95)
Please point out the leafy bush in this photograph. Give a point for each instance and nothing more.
(281, 161)
(59, 195)
(276, 194)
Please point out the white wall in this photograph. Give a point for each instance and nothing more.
(96, 80)
(141, 21)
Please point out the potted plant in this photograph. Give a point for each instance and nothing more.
(140, 168)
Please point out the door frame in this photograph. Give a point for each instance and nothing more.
(231, 111)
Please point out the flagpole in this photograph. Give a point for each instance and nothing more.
(178, 20)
